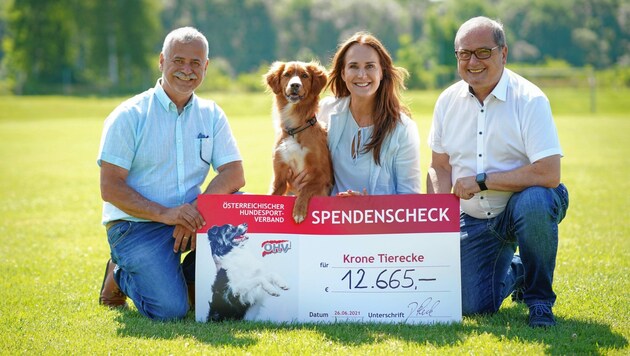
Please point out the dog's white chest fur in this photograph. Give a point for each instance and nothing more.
(292, 153)
(248, 279)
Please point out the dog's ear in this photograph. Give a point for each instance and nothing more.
(272, 77)
(320, 78)
(225, 228)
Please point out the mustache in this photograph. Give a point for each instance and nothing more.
(184, 76)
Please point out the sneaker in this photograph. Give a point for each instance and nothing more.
(518, 295)
(540, 315)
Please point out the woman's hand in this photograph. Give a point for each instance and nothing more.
(350, 193)
(298, 181)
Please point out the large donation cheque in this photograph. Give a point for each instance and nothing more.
(384, 259)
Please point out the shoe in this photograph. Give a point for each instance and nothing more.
(111, 295)
(518, 296)
(540, 315)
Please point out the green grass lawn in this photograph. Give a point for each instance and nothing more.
(53, 248)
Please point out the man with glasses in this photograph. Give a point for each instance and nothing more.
(496, 147)
(156, 151)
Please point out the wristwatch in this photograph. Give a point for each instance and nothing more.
(481, 181)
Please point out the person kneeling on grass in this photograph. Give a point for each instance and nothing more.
(495, 145)
(156, 151)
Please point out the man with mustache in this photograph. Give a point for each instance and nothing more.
(156, 151)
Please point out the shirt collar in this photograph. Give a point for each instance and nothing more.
(165, 101)
(499, 91)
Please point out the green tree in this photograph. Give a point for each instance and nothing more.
(121, 43)
(545, 25)
(51, 45)
(600, 37)
(434, 64)
(111, 45)
(39, 54)
(239, 31)
(581, 32)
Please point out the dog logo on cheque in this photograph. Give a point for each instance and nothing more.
(242, 282)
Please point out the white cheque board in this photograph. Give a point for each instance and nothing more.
(361, 259)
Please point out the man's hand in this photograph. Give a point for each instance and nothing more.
(187, 221)
(466, 187)
(186, 215)
(184, 239)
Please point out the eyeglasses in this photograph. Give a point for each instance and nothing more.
(480, 53)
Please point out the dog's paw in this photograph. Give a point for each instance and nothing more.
(300, 209)
(298, 218)
(279, 282)
(271, 283)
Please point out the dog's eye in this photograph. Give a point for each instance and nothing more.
(304, 75)
(286, 74)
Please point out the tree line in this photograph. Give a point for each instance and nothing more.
(111, 46)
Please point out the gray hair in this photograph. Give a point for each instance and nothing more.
(184, 35)
(482, 21)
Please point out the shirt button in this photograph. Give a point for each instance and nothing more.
(489, 214)
(481, 110)
(480, 155)
(480, 132)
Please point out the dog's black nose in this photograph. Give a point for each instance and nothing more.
(295, 86)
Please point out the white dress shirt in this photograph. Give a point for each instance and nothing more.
(513, 128)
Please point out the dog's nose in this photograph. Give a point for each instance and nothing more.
(295, 84)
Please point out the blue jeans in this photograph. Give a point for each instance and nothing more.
(490, 269)
(149, 271)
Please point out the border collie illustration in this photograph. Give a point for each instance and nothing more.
(241, 283)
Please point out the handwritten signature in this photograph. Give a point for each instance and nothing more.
(426, 308)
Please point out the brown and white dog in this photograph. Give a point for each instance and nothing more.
(302, 141)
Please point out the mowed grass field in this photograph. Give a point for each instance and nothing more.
(53, 248)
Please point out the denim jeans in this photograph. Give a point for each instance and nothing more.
(149, 271)
(491, 270)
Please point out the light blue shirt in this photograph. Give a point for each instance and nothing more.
(349, 158)
(168, 155)
(399, 171)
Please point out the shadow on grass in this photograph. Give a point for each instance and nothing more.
(509, 324)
